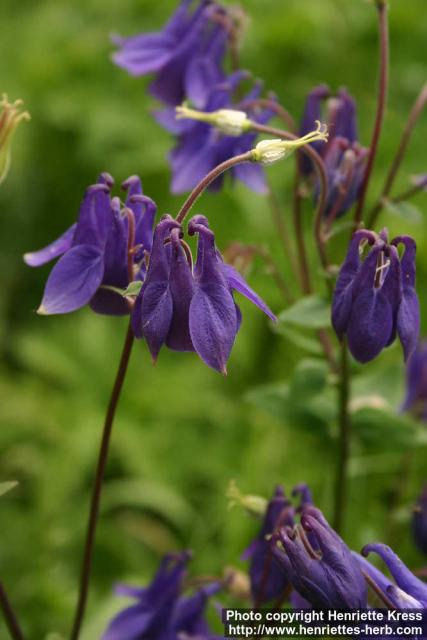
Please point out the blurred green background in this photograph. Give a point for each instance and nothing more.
(182, 431)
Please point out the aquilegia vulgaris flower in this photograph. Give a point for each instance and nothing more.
(186, 56)
(200, 147)
(375, 299)
(319, 564)
(415, 400)
(186, 308)
(160, 611)
(343, 156)
(94, 251)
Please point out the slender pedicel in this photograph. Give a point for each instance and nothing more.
(9, 616)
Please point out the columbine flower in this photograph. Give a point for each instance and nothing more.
(327, 576)
(10, 117)
(376, 299)
(160, 611)
(344, 158)
(409, 591)
(186, 56)
(419, 521)
(416, 383)
(268, 580)
(201, 146)
(190, 309)
(95, 251)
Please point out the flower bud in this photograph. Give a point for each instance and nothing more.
(10, 117)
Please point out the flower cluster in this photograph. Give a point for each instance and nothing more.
(110, 247)
(375, 299)
(343, 156)
(161, 611)
(190, 309)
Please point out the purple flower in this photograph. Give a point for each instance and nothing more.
(93, 253)
(190, 309)
(416, 383)
(409, 591)
(327, 576)
(375, 299)
(186, 57)
(419, 521)
(268, 580)
(201, 147)
(344, 158)
(160, 612)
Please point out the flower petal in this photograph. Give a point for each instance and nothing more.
(52, 251)
(73, 280)
(181, 286)
(237, 282)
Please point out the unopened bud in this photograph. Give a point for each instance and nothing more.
(255, 505)
(10, 117)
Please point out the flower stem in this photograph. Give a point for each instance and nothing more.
(208, 179)
(97, 486)
(413, 117)
(282, 230)
(9, 615)
(381, 104)
(272, 105)
(341, 479)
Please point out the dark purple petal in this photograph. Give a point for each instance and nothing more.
(408, 317)
(144, 210)
(213, 318)
(145, 54)
(236, 281)
(52, 251)
(312, 112)
(129, 624)
(252, 175)
(73, 280)
(419, 521)
(181, 285)
(95, 217)
(416, 381)
(344, 123)
(343, 293)
(190, 164)
(404, 578)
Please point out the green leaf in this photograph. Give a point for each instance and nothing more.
(378, 428)
(313, 312)
(7, 486)
(298, 338)
(404, 210)
(133, 288)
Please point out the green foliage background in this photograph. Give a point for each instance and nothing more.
(182, 431)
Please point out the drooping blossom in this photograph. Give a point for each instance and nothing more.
(93, 252)
(161, 612)
(327, 575)
(10, 117)
(200, 147)
(343, 156)
(375, 299)
(186, 56)
(186, 308)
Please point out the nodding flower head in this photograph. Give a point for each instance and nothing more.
(186, 57)
(344, 158)
(10, 117)
(268, 580)
(160, 610)
(419, 521)
(190, 308)
(321, 569)
(216, 132)
(103, 250)
(375, 299)
(408, 591)
(415, 400)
